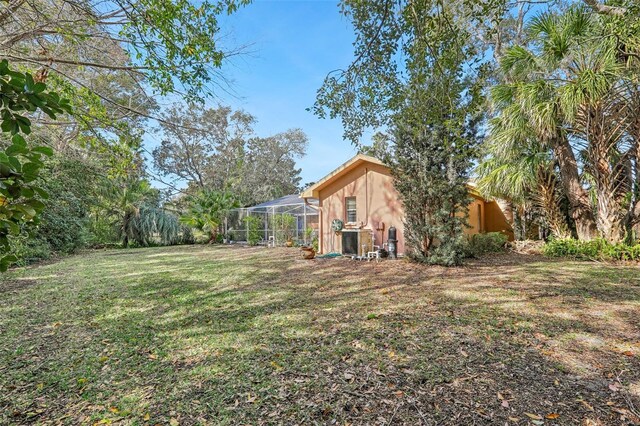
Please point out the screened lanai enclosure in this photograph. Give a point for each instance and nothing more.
(275, 222)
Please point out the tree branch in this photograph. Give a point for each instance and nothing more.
(605, 9)
(50, 60)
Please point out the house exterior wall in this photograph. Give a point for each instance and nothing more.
(378, 206)
(476, 218)
(499, 218)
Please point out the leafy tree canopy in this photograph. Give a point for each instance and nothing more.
(216, 149)
(175, 45)
(20, 164)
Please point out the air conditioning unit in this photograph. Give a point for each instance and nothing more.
(356, 242)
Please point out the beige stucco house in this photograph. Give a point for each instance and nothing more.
(360, 193)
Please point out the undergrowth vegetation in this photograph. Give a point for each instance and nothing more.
(491, 242)
(597, 249)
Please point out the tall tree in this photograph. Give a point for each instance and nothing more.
(111, 59)
(216, 149)
(517, 166)
(575, 86)
(174, 45)
(415, 74)
(202, 146)
(269, 170)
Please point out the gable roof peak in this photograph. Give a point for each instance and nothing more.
(313, 190)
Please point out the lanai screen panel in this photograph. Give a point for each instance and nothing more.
(302, 220)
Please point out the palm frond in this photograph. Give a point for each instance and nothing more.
(518, 62)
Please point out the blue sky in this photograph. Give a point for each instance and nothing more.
(293, 45)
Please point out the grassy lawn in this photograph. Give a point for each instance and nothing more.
(230, 335)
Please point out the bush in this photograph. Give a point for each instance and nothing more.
(102, 233)
(491, 242)
(29, 250)
(285, 226)
(598, 249)
(186, 235)
(63, 223)
(254, 231)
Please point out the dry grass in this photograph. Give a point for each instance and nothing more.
(229, 335)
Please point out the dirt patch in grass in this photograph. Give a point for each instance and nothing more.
(230, 335)
(10, 286)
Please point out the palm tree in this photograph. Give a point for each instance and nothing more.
(529, 109)
(137, 216)
(207, 211)
(518, 168)
(575, 94)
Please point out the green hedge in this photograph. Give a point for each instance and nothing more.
(598, 249)
(491, 242)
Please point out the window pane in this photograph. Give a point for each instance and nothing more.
(350, 209)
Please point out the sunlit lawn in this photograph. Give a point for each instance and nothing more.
(232, 335)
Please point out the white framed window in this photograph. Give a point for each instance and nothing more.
(350, 210)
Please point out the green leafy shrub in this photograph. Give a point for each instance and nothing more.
(254, 229)
(207, 211)
(285, 226)
(63, 224)
(491, 242)
(28, 250)
(598, 249)
(186, 235)
(20, 164)
(102, 234)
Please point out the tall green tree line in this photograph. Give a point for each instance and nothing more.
(573, 88)
(559, 123)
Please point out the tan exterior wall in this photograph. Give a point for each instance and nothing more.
(499, 218)
(378, 206)
(476, 217)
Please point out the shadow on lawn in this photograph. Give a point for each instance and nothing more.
(455, 354)
(231, 336)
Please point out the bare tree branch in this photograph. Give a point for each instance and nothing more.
(605, 9)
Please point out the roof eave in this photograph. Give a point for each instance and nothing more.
(314, 190)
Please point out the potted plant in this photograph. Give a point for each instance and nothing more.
(285, 225)
(307, 252)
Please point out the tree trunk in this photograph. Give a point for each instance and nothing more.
(611, 223)
(609, 170)
(548, 200)
(581, 209)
